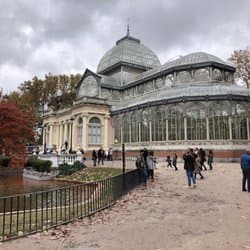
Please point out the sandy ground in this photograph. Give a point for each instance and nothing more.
(164, 215)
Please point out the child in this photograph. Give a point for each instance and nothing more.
(175, 161)
(169, 162)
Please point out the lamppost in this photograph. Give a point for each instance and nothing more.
(123, 167)
(71, 129)
(45, 132)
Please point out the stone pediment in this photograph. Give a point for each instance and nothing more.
(88, 85)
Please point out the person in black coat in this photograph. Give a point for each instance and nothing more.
(100, 155)
(94, 157)
(189, 162)
(202, 155)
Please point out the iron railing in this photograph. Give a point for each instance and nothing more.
(25, 214)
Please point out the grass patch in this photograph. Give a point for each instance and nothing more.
(93, 174)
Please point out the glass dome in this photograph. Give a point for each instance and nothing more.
(129, 50)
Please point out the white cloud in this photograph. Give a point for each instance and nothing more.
(9, 74)
(67, 36)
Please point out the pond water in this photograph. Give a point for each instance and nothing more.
(11, 185)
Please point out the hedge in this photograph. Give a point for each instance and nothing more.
(66, 169)
(4, 160)
(39, 165)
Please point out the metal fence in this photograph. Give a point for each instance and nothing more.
(25, 214)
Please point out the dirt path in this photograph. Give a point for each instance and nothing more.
(164, 215)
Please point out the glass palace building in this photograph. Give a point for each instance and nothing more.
(191, 101)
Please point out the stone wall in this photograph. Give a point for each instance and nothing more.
(31, 174)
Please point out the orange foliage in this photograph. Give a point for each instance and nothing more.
(15, 131)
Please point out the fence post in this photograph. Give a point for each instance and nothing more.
(123, 168)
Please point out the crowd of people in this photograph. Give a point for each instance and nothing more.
(146, 163)
(100, 155)
(194, 163)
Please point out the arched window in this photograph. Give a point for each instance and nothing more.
(117, 129)
(149, 86)
(125, 128)
(228, 77)
(176, 125)
(158, 126)
(183, 76)
(159, 83)
(145, 125)
(218, 122)
(196, 124)
(95, 131)
(217, 75)
(201, 75)
(79, 131)
(239, 122)
(239, 128)
(134, 128)
(169, 80)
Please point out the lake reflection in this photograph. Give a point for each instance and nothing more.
(11, 185)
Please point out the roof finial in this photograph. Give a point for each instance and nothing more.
(128, 28)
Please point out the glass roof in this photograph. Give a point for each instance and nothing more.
(129, 50)
(194, 58)
(184, 91)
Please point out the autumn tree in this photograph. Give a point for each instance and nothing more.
(24, 104)
(241, 60)
(55, 92)
(15, 129)
(65, 92)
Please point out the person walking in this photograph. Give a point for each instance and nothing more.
(141, 166)
(110, 154)
(169, 162)
(151, 164)
(94, 157)
(197, 166)
(145, 155)
(189, 167)
(100, 155)
(210, 158)
(202, 155)
(245, 166)
(175, 161)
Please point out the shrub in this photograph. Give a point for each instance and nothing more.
(39, 165)
(66, 169)
(78, 165)
(4, 160)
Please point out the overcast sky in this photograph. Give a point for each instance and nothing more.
(66, 36)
